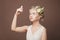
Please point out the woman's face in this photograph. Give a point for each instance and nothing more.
(33, 16)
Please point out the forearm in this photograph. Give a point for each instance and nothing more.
(13, 26)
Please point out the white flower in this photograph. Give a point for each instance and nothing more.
(40, 10)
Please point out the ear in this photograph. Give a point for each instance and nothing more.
(40, 16)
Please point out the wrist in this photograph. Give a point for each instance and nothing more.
(15, 14)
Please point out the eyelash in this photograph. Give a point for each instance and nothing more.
(33, 13)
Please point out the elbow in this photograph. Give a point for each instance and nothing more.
(12, 29)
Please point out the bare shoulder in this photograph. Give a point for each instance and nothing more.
(44, 28)
(27, 26)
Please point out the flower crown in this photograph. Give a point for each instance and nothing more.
(40, 10)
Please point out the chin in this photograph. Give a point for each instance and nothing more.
(32, 20)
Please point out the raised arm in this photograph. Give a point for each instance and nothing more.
(13, 26)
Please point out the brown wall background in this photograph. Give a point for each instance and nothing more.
(51, 20)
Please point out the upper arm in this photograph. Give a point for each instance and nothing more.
(21, 29)
(44, 35)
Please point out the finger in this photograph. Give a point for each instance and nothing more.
(21, 6)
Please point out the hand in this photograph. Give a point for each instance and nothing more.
(19, 10)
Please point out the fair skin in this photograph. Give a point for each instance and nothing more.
(33, 17)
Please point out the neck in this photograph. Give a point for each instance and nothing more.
(35, 23)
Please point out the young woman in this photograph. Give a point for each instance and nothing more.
(35, 31)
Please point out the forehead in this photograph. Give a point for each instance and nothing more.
(32, 10)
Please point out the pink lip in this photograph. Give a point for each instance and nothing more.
(31, 18)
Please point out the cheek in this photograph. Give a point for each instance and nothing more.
(32, 17)
(36, 18)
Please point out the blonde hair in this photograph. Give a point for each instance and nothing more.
(39, 10)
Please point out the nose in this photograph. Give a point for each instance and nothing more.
(30, 16)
